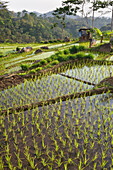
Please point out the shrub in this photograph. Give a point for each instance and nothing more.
(49, 60)
(71, 57)
(48, 66)
(38, 69)
(80, 55)
(66, 51)
(81, 48)
(24, 67)
(46, 42)
(53, 57)
(73, 49)
(50, 41)
(43, 62)
(55, 62)
(54, 40)
(62, 58)
(1, 55)
(22, 74)
(35, 65)
(59, 40)
(42, 42)
(17, 49)
(60, 53)
(32, 71)
(90, 56)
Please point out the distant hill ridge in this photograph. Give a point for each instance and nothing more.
(49, 14)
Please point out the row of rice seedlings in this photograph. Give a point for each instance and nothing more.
(95, 73)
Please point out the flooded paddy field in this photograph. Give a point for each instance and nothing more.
(72, 134)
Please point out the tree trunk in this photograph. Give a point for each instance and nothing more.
(93, 19)
(93, 15)
(101, 40)
(63, 24)
(112, 20)
(62, 32)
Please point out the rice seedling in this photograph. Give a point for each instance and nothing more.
(44, 162)
(65, 166)
(6, 135)
(19, 160)
(1, 163)
(8, 159)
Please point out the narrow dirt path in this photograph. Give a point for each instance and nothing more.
(85, 82)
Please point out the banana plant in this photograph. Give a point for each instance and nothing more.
(99, 34)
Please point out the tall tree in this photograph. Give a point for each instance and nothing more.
(93, 6)
(4, 20)
(78, 6)
(60, 14)
(18, 14)
(99, 4)
(110, 4)
(67, 9)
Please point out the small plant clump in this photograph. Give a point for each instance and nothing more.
(1, 55)
(74, 49)
(32, 71)
(25, 67)
(43, 62)
(54, 62)
(80, 55)
(89, 56)
(66, 51)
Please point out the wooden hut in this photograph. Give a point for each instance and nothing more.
(84, 34)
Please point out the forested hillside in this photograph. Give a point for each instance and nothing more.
(24, 27)
(106, 27)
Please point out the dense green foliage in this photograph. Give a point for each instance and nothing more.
(106, 27)
(24, 27)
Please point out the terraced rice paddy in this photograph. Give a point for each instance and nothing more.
(17, 59)
(74, 134)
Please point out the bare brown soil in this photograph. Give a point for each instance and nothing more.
(106, 82)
